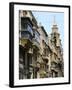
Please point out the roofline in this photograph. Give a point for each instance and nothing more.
(44, 30)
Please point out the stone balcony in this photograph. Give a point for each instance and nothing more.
(56, 61)
(45, 58)
(35, 43)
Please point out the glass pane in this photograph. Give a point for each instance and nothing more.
(29, 29)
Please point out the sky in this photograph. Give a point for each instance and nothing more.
(47, 19)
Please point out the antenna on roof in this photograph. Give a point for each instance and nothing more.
(54, 20)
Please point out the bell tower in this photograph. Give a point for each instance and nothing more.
(57, 66)
(55, 36)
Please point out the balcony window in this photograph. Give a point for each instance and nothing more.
(24, 34)
(30, 29)
(26, 26)
(23, 26)
(37, 36)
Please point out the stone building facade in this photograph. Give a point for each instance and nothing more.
(40, 56)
